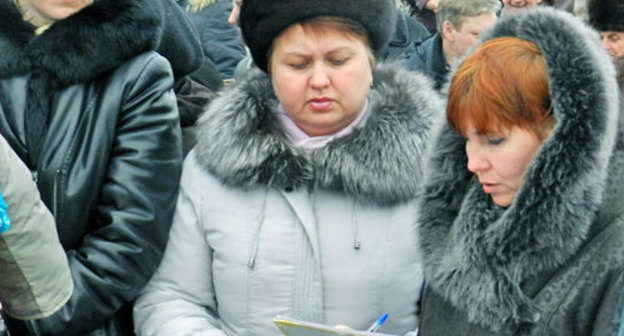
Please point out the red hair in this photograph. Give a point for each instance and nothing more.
(502, 84)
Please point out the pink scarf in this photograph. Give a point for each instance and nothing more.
(310, 143)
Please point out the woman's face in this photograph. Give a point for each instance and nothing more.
(41, 12)
(321, 77)
(514, 6)
(500, 159)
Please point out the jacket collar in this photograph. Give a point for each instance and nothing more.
(436, 66)
(477, 254)
(83, 46)
(241, 143)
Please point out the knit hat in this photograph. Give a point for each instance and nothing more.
(607, 15)
(261, 21)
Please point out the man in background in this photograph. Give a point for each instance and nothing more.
(514, 6)
(459, 25)
(607, 16)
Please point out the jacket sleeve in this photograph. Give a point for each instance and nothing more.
(180, 298)
(34, 282)
(136, 204)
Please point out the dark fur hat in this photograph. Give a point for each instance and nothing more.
(607, 15)
(261, 21)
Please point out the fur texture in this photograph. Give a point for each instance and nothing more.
(477, 254)
(87, 44)
(78, 49)
(261, 21)
(607, 15)
(242, 144)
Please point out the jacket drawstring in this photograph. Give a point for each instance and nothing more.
(355, 228)
(253, 252)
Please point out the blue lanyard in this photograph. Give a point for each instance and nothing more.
(5, 222)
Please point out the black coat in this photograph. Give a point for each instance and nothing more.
(429, 59)
(408, 33)
(221, 41)
(110, 150)
(552, 263)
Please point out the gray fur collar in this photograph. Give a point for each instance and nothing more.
(93, 41)
(241, 143)
(478, 254)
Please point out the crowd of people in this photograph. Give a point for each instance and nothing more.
(200, 167)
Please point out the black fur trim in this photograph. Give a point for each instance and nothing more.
(82, 47)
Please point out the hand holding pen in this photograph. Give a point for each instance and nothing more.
(375, 326)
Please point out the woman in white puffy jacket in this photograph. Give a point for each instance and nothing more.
(297, 200)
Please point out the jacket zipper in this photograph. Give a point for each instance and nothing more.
(56, 195)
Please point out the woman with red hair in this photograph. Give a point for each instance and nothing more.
(522, 222)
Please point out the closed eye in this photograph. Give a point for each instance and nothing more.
(495, 140)
(299, 66)
(338, 61)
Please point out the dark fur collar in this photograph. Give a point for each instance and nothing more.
(241, 143)
(477, 254)
(83, 46)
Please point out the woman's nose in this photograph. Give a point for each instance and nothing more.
(320, 77)
(477, 160)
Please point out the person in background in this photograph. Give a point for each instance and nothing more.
(425, 12)
(220, 38)
(522, 214)
(34, 274)
(298, 199)
(88, 105)
(407, 34)
(607, 16)
(516, 6)
(576, 7)
(459, 25)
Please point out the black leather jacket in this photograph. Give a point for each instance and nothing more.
(110, 161)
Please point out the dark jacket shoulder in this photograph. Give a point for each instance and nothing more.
(429, 59)
(407, 34)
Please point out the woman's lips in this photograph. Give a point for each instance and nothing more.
(320, 104)
(488, 188)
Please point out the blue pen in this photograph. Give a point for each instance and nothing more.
(377, 323)
(5, 222)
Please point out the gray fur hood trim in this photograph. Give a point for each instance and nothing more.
(241, 142)
(478, 254)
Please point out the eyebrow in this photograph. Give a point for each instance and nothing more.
(333, 51)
